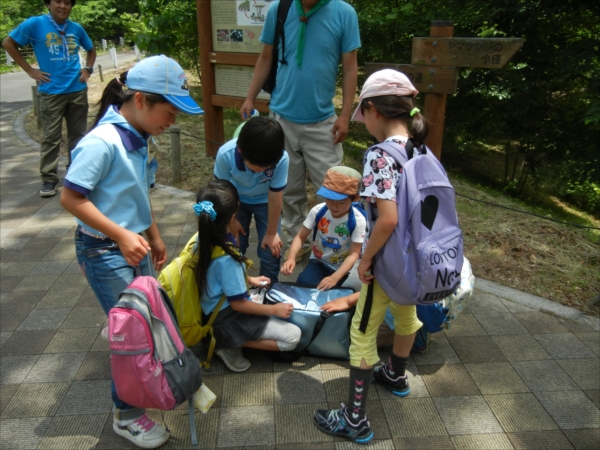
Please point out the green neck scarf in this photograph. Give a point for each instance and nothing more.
(303, 21)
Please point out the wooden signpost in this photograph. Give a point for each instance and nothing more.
(434, 69)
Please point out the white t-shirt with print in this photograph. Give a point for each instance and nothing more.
(332, 242)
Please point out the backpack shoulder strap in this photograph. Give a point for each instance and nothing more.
(318, 218)
(282, 13)
(397, 151)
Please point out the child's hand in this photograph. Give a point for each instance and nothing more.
(159, 252)
(288, 267)
(282, 310)
(364, 270)
(273, 241)
(339, 304)
(259, 281)
(133, 246)
(328, 283)
(236, 229)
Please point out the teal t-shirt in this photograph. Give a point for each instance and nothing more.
(49, 52)
(305, 94)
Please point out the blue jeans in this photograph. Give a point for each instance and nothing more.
(108, 274)
(269, 264)
(315, 271)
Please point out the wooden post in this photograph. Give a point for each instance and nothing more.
(175, 153)
(34, 98)
(214, 129)
(100, 73)
(435, 104)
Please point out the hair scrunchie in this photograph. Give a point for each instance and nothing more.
(414, 111)
(205, 207)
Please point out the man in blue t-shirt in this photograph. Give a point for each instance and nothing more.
(318, 35)
(61, 79)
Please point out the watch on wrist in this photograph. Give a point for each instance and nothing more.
(90, 69)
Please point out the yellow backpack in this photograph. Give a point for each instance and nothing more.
(179, 281)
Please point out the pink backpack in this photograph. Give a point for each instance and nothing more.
(151, 366)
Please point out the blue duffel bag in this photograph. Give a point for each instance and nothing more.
(323, 334)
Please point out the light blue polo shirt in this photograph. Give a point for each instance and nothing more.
(253, 187)
(305, 94)
(225, 276)
(110, 167)
(48, 48)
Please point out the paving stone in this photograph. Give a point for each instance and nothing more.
(585, 372)
(58, 298)
(592, 340)
(515, 307)
(8, 284)
(87, 397)
(540, 323)
(584, 439)
(36, 282)
(4, 336)
(570, 410)
(520, 412)
(74, 432)
(42, 242)
(482, 302)
(14, 243)
(375, 444)
(520, 348)
(21, 434)
(576, 327)
(594, 395)
(7, 391)
(27, 342)
(439, 351)
(87, 299)
(465, 325)
(61, 252)
(30, 254)
(17, 268)
(6, 255)
(21, 299)
(564, 346)
(12, 317)
(48, 267)
(85, 318)
(467, 415)
(299, 387)
(14, 369)
(413, 417)
(74, 340)
(544, 376)
(55, 367)
(178, 422)
(96, 366)
(100, 345)
(294, 424)
(248, 389)
(36, 400)
(539, 440)
(72, 280)
(25, 232)
(304, 363)
(44, 319)
(58, 231)
(476, 349)
(448, 380)
(496, 378)
(496, 324)
(261, 363)
(256, 424)
(482, 442)
(425, 443)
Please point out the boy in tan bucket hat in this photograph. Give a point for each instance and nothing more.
(338, 230)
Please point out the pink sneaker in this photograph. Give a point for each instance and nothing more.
(143, 431)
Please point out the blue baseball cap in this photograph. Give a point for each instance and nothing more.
(162, 75)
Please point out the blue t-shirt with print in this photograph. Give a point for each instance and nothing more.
(253, 187)
(49, 52)
(305, 94)
(225, 276)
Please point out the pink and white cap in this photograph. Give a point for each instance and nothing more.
(384, 82)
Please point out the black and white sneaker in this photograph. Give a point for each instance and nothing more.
(397, 386)
(48, 190)
(335, 422)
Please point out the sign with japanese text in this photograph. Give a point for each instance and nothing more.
(485, 53)
(432, 79)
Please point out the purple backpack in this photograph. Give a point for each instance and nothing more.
(422, 260)
(151, 366)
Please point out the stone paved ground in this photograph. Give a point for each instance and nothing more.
(505, 376)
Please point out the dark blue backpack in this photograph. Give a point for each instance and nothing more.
(351, 219)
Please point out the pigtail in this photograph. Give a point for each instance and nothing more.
(112, 95)
(216, 204)
(419, 128)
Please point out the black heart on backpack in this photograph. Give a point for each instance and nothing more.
(429, 208)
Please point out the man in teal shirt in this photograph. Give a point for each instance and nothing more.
(61, 79)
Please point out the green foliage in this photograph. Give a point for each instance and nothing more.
(171, 29)
(13, 12)
(98, 18)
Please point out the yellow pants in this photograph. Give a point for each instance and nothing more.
(363, 345)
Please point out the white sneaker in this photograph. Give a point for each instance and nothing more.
(104, 333)
(143, 431)
(233, 358)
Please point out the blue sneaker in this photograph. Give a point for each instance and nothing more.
(335, 422)
(397, 386)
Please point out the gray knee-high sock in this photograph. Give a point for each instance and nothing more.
(360, 382)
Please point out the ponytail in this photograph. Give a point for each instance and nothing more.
(400, 108)
(116, 93)
(221, 200)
